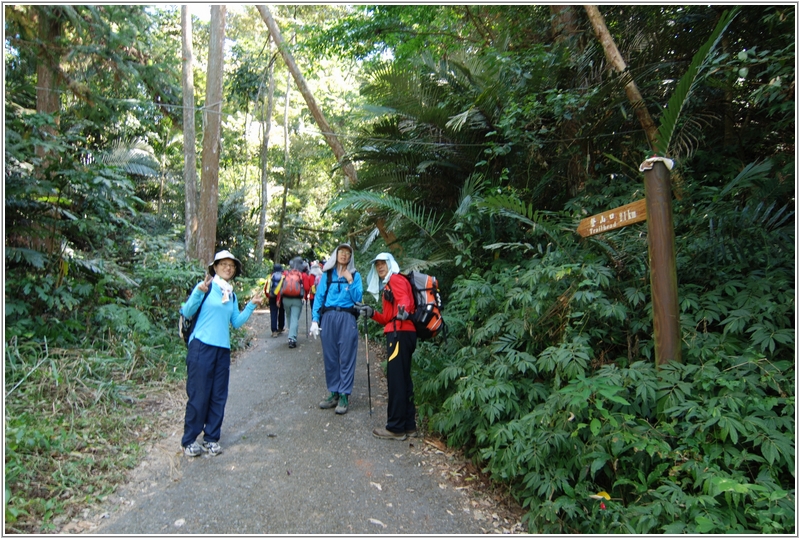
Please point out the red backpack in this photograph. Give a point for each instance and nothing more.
(292, 286)
(427, 316)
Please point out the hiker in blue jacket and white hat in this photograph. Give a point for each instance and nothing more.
(334, 316)
(208, 360)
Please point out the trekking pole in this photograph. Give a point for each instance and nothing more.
(366, 347)
(308, 330)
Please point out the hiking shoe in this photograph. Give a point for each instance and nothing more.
(213, 448)
(342, 406)
(412, 433)
(292, 343)
(385, 434)
(275, 334)
(193, 450)
(330, 402)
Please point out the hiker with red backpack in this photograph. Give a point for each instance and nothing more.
(314, 274)
(290, 296)
(384, 278)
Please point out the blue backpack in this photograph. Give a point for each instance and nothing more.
(274, 282)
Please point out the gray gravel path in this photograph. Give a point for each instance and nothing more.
(289, 467)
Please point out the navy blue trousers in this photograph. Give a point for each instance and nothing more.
(277, 315)
(208, 370)
(400, 346)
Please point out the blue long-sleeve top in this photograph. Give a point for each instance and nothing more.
(340, 294)
(212, 324)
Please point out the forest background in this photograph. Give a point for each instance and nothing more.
(481, 135)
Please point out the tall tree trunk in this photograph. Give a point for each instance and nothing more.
(564, 28)
(47, 95)
(209, 176)
(615, 59)
(189, 154)
(287, 177)
(266, 123)
(330, 137)
(47, 102)
(564, 23)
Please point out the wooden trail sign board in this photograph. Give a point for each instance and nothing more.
(635, 212)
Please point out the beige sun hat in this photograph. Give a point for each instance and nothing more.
(221, 256)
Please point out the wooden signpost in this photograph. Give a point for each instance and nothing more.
(635, 212)
(656, 209)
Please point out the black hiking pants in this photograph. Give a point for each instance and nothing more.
(400, 346)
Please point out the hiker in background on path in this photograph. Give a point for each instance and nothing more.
(314, 274)
(290, 296)
(208, 360)
(277, 314)
(338, 291)
(401, 340)
(309, 288)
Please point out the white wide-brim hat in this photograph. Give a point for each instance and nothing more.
(221, 256)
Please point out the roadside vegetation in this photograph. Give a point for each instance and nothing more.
(482, 135)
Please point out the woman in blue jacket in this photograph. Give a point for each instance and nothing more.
(338, 291)
(208, 361)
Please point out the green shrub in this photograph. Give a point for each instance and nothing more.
(548, 382)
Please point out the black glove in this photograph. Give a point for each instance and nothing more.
(402, 314)
(365, 310)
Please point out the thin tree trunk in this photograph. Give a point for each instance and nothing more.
(287, 177)
(189, 136)
(47, 96)
(209, 177)
(728, 133)
(615, 59)
(330, 137)
(266, 123)
(564, 27)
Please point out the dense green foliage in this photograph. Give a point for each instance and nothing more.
(482, 135)
(551, 384)
(547, 379)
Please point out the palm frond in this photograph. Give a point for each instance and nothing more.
(134, 157)
(683, 90)
(752, 172)
(512, 207)
(371, 237)
(469, 192)
(443, 256)
(425, 219)
(688, 136)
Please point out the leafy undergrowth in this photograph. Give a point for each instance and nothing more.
(491, 502)
(548, 383)
(77, 421)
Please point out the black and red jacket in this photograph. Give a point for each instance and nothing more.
(399, 293)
